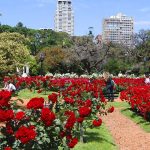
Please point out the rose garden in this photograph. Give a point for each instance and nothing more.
(62, 110)
(61, 101)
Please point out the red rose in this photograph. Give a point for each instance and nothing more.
(9, 129)
(36, 103)
(62, 134)
(6, 95)
(79, 102)
(69, 113)
(47, 116)
(19, 115)
(6, 115)
(72, 143)
(80, 120)
(7, 148)
(4, 103)
(69, 100)
(4, 98)
(103, 99)
(25, 134)
(84, 111)
(88, 103)
(69, 137)
(96, 94)
(53, 97)
(98, 107)
(111, 109)
(71, 120)
(31, 127)
(97, 123)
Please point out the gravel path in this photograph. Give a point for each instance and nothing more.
(127, 134)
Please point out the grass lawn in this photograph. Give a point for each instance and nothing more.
(145, 125)
(27, 94)
(97, 139)
(119, 104)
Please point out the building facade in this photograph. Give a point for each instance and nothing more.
(118, 29)
(64, 17)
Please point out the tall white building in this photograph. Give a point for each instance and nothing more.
(118, 29)
(64, 17)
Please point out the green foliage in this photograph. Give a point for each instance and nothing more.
(13, 51)
(39, 38)
(53, 57)
(35, 41)
(33, 66)
(83, 55)
(115, 65)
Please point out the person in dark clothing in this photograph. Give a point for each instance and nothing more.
(109, 86)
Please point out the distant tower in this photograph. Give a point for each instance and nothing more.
(64, 18)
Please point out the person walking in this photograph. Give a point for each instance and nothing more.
(109, 86)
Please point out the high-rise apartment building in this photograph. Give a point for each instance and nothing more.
(118, 29)
(64, 17)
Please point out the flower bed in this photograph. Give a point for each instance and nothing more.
(76, 105)
(139, 99)
(56, 83)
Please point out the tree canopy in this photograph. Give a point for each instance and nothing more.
(80, 54)
(13, 51)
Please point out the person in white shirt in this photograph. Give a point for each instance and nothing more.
(147, 79)
(9, 87)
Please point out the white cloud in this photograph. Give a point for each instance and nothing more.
(146, 9)
(146, 23)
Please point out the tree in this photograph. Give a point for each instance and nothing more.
(142, 50)
(134, 59)
(142, 44)
(88, 55)
(53, 57)
(19, 25)
(6, 28)
(33, 65)
(13, 52)
(39, 38)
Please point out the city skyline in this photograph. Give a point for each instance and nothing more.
(40, 13)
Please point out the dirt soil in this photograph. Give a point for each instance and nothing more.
(127, 134)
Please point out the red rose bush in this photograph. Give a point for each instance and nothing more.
(139, 99)
(78, 104)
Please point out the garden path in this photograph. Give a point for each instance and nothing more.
(127, 134)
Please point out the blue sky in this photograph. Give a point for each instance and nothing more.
(40, 13)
